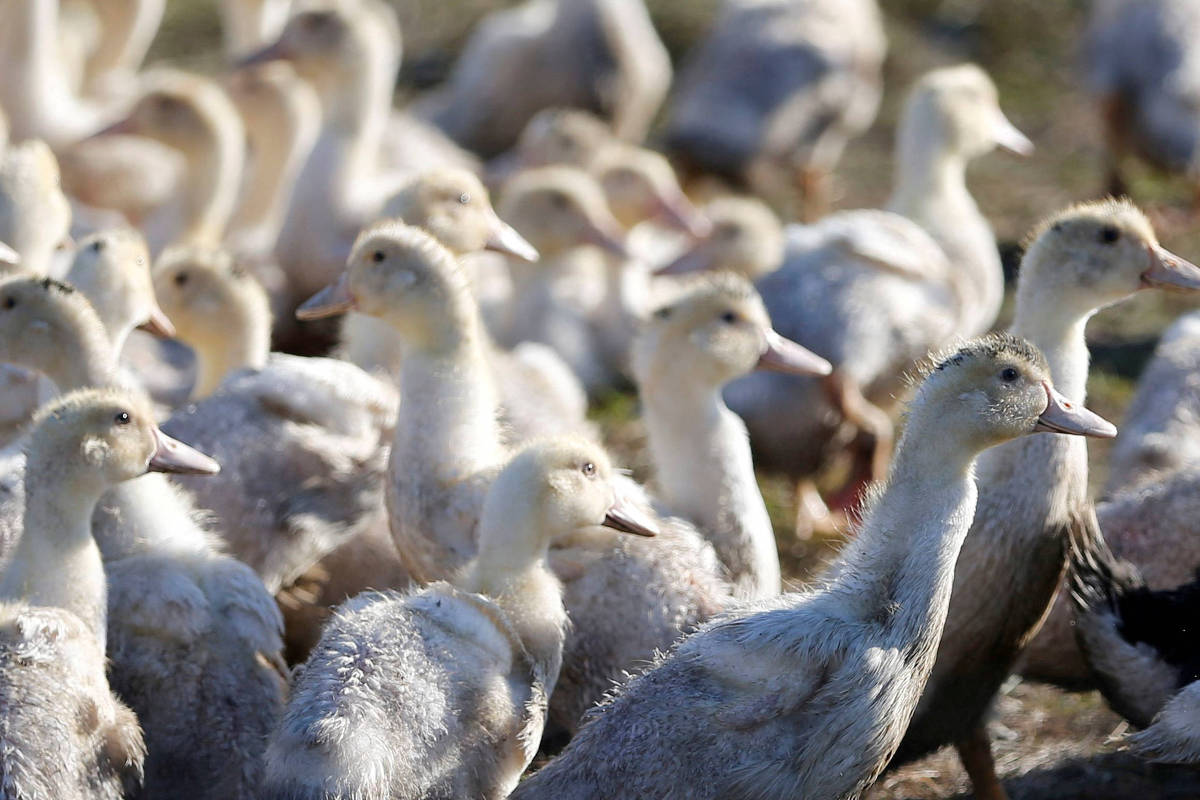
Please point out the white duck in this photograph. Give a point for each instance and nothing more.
(627, 598)
(684, 354)
(183, 615)
(449, 696)
(808, 695)
(300, 439)
(34, 213)
(602, 55)
(67, 734)
(247, 25)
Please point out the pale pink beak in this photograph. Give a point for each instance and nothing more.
(679, 213)
(607, 237)
(1009, 137)
(503, 238)
(331, 301)
(695, 259)
(8, 255)
(1170, 272)
(784, 355)
(172, 455)
(125, 126)
(159, 324)
(276, 51)
(626, 517)
(1063, 416)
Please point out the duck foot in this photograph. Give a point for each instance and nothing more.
(975, 752)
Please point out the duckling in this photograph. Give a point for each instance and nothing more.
(479, 656)
(1148, 105)
(34, 214)
(600, 55)
(558, 209)
(808, 695)
(186, 622)
(193, 116)
(300, 438)
(779, 87)
(701, 454)
(569, 136)
(66, 733)
(349, 53)
(112, 268)
(626, 598)
(1080, 260)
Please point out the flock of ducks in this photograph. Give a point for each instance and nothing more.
(394, 558)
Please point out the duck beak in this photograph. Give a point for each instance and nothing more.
(624, 516)
(334, 299)
(172, 455)
(125, 126)
(607, 237)
(503, 238)
(277, 51)
(784, 355)
(1063, 416)
(697, 258)
(1008, 137)
(679, 213)
(8, 255)
(1170, 272)
(159, 324)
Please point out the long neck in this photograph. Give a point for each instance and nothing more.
(277, 161)
(57, 562)
(357, 105)
(1048, 321)
(213, 173)
(928, 173)
(900, 569)
(705, 472)
(450, 413)
(127, 27)
(244, 342)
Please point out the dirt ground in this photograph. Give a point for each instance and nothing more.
(1049, 744)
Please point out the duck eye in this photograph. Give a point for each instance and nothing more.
(378, 256)
(558, 200)
(121, 418)
(663, 312)
(97, 245)
(181, 279)
(10, 302)
(1009, 374)
(589, 469)
(729, 317)
(1109, 234)
(464, 198)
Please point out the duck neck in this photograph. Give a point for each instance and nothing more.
(705, 473)
(244, 343)
(357, 107)
(1048, 321)
(57, 562)
(928, 175)
(127, 28)
(213, 173)
(450, 413)
(521, 584)
(899, 571)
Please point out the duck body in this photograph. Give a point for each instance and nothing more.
(600, 55)
(823, 57)
(406, 737)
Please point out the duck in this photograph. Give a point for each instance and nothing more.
(857, 257)
(1147, 106)
(686, 351)
(1079, 260)
(193, 116)
(67, 733)
(301, 439)
(186, 622)
(829, 676)
(1135, 641)
(349, 53)
(480, 654)
(555, 135)
(35, 216)
(554, 300)
(605, 55)
(779, 88)
(626, 598)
